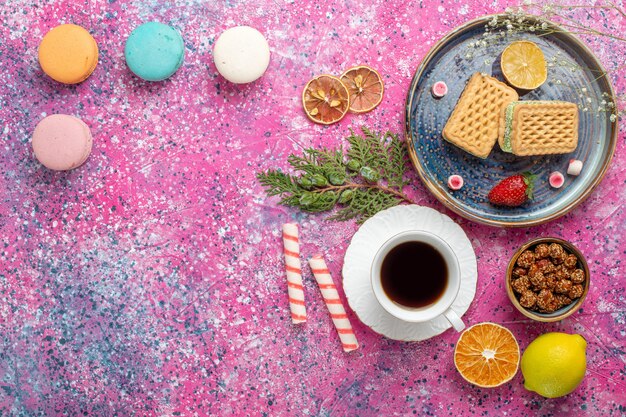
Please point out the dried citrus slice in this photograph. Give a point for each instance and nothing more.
(523, 65)
(325, 99)
(365, 86)
(487, 355)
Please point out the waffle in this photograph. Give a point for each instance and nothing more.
(539, 128)
(474, 123)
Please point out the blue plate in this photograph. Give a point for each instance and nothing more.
(578, 77)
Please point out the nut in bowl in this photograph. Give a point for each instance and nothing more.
(547, 279)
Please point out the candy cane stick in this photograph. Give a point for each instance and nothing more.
(333, 302)
(294, 273)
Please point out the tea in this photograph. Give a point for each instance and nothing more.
(414, 274)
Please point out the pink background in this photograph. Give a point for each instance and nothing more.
(150, 281)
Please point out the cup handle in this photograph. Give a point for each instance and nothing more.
(454, 320)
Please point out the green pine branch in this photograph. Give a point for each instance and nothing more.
(360, 182)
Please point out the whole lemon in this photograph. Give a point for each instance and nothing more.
(554, 364)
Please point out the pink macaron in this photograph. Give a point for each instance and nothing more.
(62, 142)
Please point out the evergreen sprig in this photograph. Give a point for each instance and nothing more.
(360, 182)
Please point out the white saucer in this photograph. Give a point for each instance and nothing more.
(360, 254)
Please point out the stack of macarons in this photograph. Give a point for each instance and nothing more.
(153, 52)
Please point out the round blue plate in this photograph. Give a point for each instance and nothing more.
(574, 75)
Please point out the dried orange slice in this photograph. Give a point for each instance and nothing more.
(523, 65)
(487, 355)
(325, 99)
(365, 86)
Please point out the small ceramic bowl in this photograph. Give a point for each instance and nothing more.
(563, 312)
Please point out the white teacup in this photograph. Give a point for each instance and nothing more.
(440, 307)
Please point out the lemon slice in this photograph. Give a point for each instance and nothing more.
(365, 86)
(487, 355)
(523, 65)
(325, 99)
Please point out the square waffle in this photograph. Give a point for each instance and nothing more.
(474, 123)
(539, 128)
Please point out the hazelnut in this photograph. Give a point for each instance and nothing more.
(552, 306)
(545, 266)
(537, 279)
(559, 259)
(570, 261)
(519, 272)
(556, 250)
(576, 291)
(544, 299)
(542, 251)
(563, 286)
(562, 300)
(526, 259)
(528, 299)
(520, 285)
(561, 272)
(577, 276)
(550, 282)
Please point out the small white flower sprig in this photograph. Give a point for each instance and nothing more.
(604, 19)
(569, 17)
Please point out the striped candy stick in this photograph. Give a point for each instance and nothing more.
(294, 273)
(333, 302)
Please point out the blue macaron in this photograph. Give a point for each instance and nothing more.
(154, 51)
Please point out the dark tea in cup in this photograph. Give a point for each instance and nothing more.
(414, 274)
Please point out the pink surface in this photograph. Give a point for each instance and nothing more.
(151, 280)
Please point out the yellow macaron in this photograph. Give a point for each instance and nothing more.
(68, 54)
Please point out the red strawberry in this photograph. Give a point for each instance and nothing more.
(513, 191)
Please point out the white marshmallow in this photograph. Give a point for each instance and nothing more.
(575, 166)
